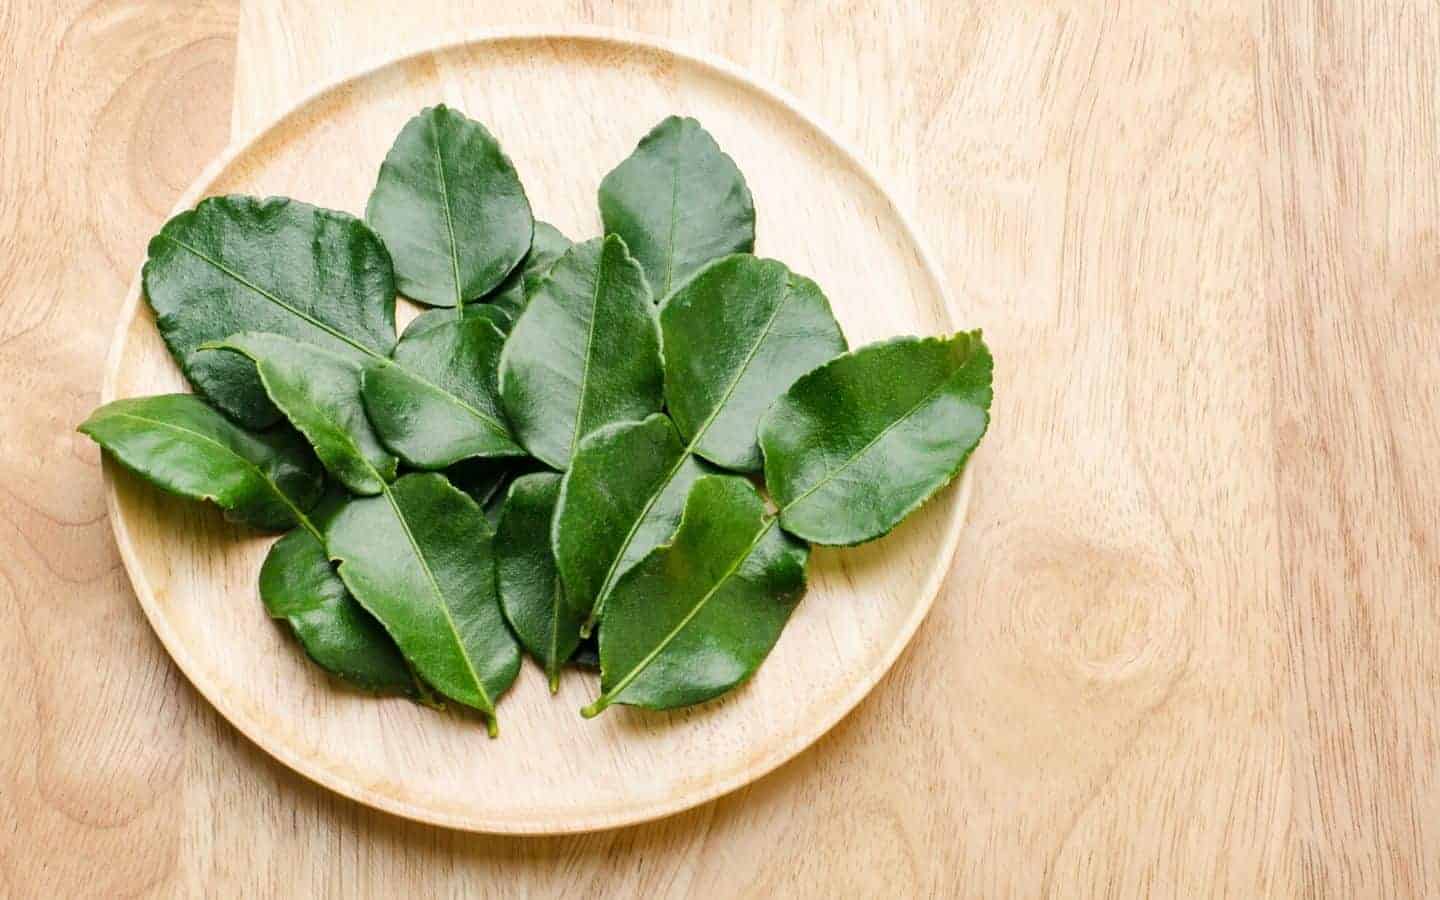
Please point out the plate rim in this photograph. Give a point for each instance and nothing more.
(354, 789)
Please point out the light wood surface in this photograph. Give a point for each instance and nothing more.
(1189, 644)
(567, 106)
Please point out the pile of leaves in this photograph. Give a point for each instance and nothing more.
(571, 450)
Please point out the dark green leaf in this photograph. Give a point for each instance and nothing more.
(451, 209)
(236, 264)
(530, 589)
(697, 616)
(299, 585)
(319, 392)
(585, 353)
(621, 498)
(179, 444)
(679, 202)
(859, 443)
(547, 246)
(419, 559)
(734, 337)
(438, 401)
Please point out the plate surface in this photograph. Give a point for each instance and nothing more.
(567, 107)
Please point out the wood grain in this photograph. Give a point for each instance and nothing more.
(1189, 645)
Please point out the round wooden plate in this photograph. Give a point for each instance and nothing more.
(567, 107)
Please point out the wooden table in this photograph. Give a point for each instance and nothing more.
(1191, 644)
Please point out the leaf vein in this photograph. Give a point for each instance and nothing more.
(606, 698)
(304, 316)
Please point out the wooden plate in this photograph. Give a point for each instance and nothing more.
(567, 107)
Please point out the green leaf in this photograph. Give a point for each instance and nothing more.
(299, 585)
(621, 498)
(319, 392)
(858, 444)
(451, 209)
(438, 402)
(585, 353)
(180, 445)
(236, 264)
(679, 202)
(697, 616)
(530, 589)
(510, 297)
(419, 558)
(734, 337)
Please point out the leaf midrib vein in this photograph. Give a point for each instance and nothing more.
(674, 202)
(832, 474)
(299, 314)
(489, 706)
(552, 666)
(589, 349)
(611, 573)
(664, 642)
(338, 431)
(274, 488)
(449, 220)
(492, 424)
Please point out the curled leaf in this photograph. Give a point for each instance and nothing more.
(319, 392)
(299, 585)
(176, 442)
(531, 594)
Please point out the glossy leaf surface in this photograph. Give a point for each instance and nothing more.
(621, 498)
(235, 264)
(419, 558)
(299, 585)
(547, 246)
(679, 202)
(859, 443)
(438, 402)
(734, 337)
(319, 392)
(530, 589)
(698, 615)
(584, 353)
(178, 443)
(451, 209)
